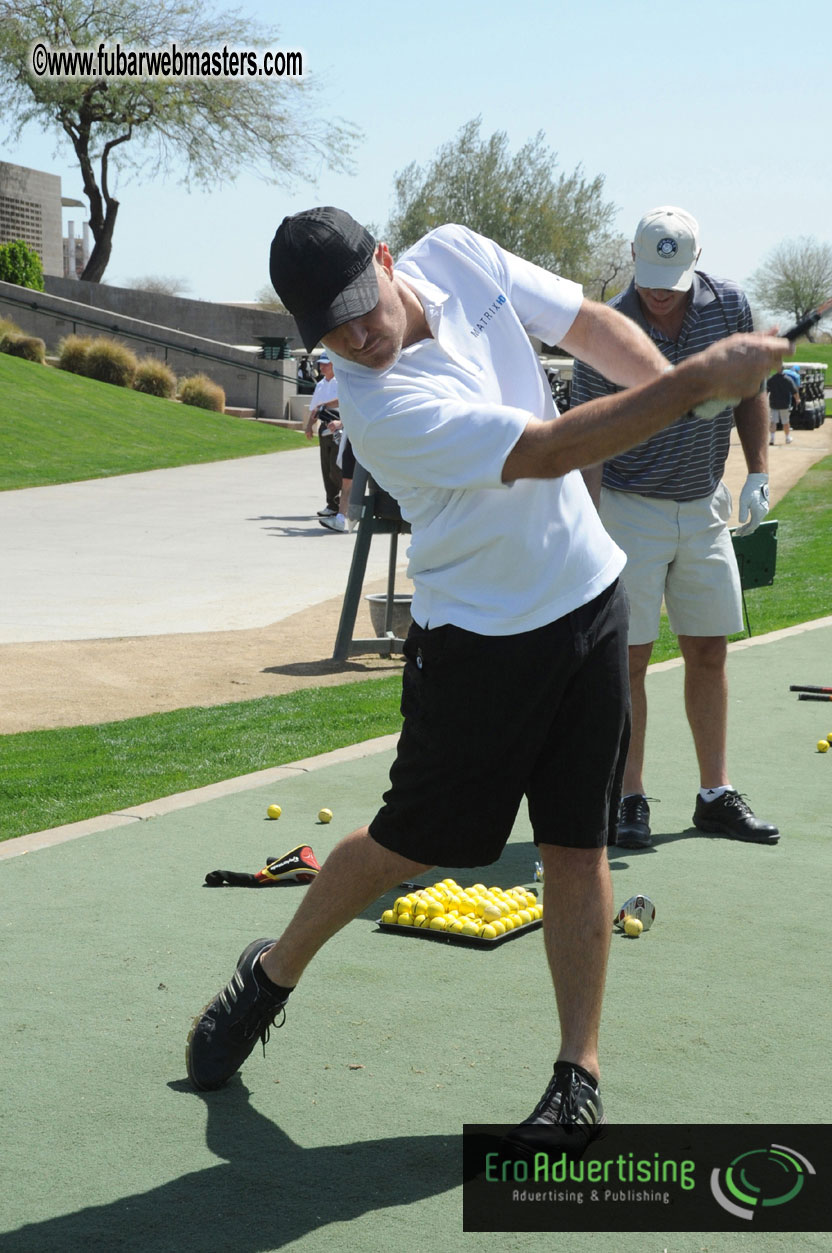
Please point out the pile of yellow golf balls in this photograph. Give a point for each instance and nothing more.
(475, 911)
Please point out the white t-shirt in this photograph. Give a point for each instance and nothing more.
(435, 430)
(325, 391)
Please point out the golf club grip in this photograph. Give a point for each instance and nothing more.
(807, 687)
(812, 696)
(806, 324)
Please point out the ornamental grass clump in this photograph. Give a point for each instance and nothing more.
(29, 347)
(72, 353)
(203, 392)
(110, 362)
(154, 378)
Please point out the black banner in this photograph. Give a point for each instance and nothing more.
(670, 1177)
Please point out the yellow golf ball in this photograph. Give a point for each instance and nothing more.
(469, 928)
(421, 920)
(404, 920)
(324, 815)
(823, 746)
(633, 927)
(487, 932)
(401, 905)
(436, 909)
(389, 917)
(438, 923)
(274, 811)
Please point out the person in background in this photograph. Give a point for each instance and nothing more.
(664, 503)
(782, 395)
(323, 409)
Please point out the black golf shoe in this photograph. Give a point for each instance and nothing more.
(228, 1028)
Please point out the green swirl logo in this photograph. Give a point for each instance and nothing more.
(760, 1178)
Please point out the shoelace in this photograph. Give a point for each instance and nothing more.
(736, 800)
(558, 1085)
(636, 807)
(264, 1023)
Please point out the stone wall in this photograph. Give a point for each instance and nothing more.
(231, 324)
(249, 382)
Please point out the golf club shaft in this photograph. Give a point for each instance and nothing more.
(807, 687)
(812, 696)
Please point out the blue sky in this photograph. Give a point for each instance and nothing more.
(718, 107)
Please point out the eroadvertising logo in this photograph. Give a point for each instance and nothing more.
(670, 1177)
(760, 1177)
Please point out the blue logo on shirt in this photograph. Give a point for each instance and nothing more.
(486, 316)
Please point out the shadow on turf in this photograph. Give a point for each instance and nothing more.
(328, 666)
(268, 1193)
(669, 837)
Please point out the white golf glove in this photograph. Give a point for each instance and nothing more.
(713, 408)
(753, 503)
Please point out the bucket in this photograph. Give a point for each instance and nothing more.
(401, 613)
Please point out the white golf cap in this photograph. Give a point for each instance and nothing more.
(666, 248)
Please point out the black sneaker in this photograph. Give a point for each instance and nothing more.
(730, 815)
(228, 1028)
(633, 822)
(567, 1116)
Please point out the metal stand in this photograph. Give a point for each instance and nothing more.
(380, 516)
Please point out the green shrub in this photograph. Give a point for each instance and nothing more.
(110, 362)
(29, 347)
(203, 392)
(20, 264)
(154, 378)
(72, 353)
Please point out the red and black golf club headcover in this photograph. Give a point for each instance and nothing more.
(298, 866)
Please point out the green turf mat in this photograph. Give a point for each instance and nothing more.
(347, 1133)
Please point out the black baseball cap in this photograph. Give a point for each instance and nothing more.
(321, 266)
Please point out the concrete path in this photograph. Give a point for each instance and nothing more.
(224, 546)
(208, 548)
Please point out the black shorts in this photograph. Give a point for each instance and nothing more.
(490, 719)
(348, 461)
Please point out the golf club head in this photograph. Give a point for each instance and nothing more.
(640, 907)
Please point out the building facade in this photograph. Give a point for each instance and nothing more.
(30, 209)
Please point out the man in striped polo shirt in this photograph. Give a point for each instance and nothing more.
(664, 504)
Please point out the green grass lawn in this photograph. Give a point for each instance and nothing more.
(59, 428)
(51, 777)
(805, 351)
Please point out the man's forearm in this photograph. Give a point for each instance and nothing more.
(603, 428)
(753, 421)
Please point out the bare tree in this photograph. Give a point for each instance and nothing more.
(610, 268)
(161, 284)
(795, 278)
(208, 129)
(267, 298)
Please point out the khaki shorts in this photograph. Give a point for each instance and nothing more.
(679, 551)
